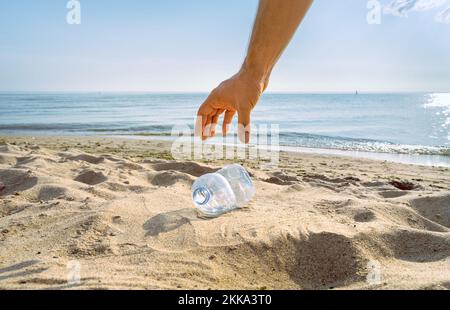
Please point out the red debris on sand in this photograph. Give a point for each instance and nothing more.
(2, 186)
(403, 185)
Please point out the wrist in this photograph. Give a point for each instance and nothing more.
(257, 73)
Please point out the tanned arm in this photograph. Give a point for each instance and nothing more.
(275, 24)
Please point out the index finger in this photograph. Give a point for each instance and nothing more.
(202, 117)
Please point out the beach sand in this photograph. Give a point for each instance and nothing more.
(118, 213)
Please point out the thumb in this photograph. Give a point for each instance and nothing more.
(244, 126)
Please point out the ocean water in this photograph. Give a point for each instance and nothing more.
(409, 124)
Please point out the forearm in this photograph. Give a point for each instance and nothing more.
(275, 24)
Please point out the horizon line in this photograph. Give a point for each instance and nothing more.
(208, 91)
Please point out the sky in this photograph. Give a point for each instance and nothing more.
(192, 45)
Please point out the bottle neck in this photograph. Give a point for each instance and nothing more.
(201, 196)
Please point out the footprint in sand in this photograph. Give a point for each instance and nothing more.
(50, 192)
(169, 221)
(91, 177)
(169, 178)
(364, 216)
(16, 180)
(84, 157)
(279, 178)
(404, 185)
(190, 168)
(392, 193)
(8, 160)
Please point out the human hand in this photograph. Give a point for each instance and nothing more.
(239, 94)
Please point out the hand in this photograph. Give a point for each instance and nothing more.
(239, 94)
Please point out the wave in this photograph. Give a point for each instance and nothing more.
(361, 145)
(86, 128)
(307, 140)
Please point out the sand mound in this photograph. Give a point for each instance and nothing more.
(326, 260)
(316, 261)
(86, 158)
(8, 160)
(191, 168)
(418, 246)
(129, 166)
(8, 148)
(435, 208)
(91, 177)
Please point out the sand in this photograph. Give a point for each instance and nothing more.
(117, 214)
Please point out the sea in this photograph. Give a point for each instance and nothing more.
(412, 128)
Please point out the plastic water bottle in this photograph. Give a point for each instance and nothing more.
(220, 192)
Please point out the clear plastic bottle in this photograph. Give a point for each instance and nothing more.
(220, 192)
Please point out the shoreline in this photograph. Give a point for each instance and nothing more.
(429, 160)
(401, 158)
(413, 159)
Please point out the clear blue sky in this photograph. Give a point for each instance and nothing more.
(191, 45)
